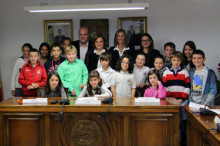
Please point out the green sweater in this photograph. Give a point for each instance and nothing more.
(73, 75)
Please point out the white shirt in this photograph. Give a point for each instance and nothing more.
(99, 62)
(116, 48)
(123, 82)
(141, 74)
(83, 51)
(106, 75)
(104, 92)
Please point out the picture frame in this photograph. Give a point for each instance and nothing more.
(97, 26)
(56, 30)
(134, 27)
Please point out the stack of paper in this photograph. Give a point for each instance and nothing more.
(194, 107)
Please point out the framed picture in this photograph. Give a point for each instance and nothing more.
(97, 26)
(56, 30)
(134, 27)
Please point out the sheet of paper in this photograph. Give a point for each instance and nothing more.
(88, 100)
(216, 110)
(36, 101)
(147, 99)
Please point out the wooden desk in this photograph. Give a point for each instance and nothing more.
(197, 130)
(124, 124)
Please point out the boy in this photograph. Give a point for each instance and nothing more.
(140, 73)
(159, 64)
(203, 81)
(56, 60)
(176, 79)
(73, 72)
(32, 75)
(169, 48)
(177, 83)
(106, 71)
(64, 44)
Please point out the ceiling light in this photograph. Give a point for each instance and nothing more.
(92, 7)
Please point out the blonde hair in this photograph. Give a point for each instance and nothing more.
(70, 49)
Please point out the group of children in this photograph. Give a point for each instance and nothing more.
(169, 77)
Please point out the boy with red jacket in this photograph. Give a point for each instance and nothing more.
(32, 75)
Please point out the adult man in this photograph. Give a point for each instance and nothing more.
(83, 44)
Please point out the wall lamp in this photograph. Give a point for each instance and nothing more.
(90, 7)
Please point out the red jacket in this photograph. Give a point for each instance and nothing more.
(29, 75)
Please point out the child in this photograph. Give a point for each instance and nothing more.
(106, 71)
(176, 79)
(123, 81)
(54, 87)
(32, 75)
(73, 72)
(56, 60)
(156, 89)
(15, 86)
(177, 83)
(159, 64)
(64, 44)
(94, 87)
(203, 81)
(140, 72)
(169, 47)
(188, 49)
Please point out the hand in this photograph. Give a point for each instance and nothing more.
(83, 85)
(138, 85)
(30, 87)
(35, 85)
(172, 100)
(73, 92)
(13, 92)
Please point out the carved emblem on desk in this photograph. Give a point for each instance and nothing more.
(86, 133)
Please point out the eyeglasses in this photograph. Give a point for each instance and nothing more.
(125, 63)
(145, 40)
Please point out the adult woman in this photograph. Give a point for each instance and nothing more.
(188, 49)
(92, 59)
(147, 48)
(44, 51)
(120, 47)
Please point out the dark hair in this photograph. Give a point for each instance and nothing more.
(33, 50)
(177, 54)
(151, 47)
(92, 74)
(151, 72)
(131, 64)
(48, 47)
(56, 44)
(96, 37)
(106, 56)
(171, 45)
(116, 34)
(159, 56)
(199, 52)
(26, 45)
(192, 45)
(47, 88)
(66, 38)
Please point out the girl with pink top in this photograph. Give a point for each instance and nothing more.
(156, 88)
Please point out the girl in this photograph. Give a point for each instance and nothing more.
(15, 86)
(94, 87)
(120, 47)
(92, 59)
(147, 48)
(44, 51)
(123, 81)
(54, 87)
(188, 49)
(156, 89)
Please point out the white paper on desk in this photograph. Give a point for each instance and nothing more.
(88, 100)
(35, 101)
(147, 99)
(194, 107)
(216, 110)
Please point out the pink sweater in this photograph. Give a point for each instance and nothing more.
(156, 92)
